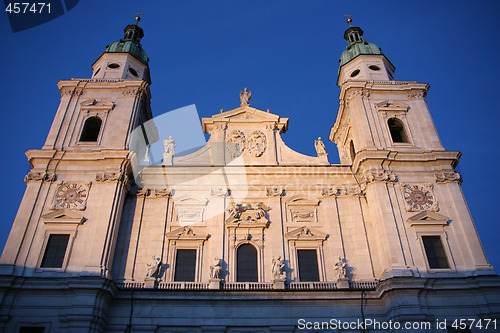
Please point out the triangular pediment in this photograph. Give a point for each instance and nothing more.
(428, 218)
(305, 233)
(245, 114)
(63, 216)
(187, 233)
(389, 105)
(97, 104)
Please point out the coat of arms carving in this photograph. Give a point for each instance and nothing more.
(256, 143)
(235, 143)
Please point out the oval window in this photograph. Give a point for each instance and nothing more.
(113, 65)
(133, 71)
(97, 71)
(374, 68)
(356, 72)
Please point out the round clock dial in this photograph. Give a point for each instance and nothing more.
(418, 198)
(71, 196)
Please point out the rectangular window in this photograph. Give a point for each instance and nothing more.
(434, 250)
(308, 265)
(55, 251)
(185, 265)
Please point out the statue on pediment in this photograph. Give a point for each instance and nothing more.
(245, 96)
(320, 147)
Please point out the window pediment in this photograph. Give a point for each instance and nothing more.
(187, 233)
(428, 218)
(305, 233)
(395, 106)
(97, 105)
(63, 216)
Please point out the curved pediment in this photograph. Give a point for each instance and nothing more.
(298, 200)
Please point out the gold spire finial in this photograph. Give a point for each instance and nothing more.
(349, 19)
(138, 17)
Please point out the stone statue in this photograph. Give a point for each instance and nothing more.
(169, 146)
(234, 212)
(215, 269)
(340, 267)
(320, 147)
(146, 155)
(259, 211)
(153, 267)
(278, 267)
(168, 155)
(245, 96)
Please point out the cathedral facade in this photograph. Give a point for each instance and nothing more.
(244, 234)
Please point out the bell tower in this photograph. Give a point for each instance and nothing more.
(79, 179)
(378, 113)
(385, 132)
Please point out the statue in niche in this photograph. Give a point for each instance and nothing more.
(169, 145)
(341, 268)
(320, 147)
(245, 96)
(153, 267)
(278, 267)
(215, 269)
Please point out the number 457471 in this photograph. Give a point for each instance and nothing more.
(26, 7)
(463, 324)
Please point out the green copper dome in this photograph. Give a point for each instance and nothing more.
(356, 46)
(130, 44)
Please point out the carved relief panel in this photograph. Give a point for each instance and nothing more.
(189, 210)
(302, 210)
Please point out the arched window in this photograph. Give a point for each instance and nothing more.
(397, 130)
(91, 129)
(352, 150)
(246, 266)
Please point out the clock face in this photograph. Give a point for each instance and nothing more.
(71, 196)
(418, 199)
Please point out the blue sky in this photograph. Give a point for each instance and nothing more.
(286, 53)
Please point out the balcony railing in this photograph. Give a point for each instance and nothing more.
(295, 286)
(248, 286)
(313, 285)
(183, 285)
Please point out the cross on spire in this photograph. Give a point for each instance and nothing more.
(138, 17)
(349, 19)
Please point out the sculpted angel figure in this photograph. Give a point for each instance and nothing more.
(215, 269)
(153, 267)
(320, 147)
(245, 96)
(233, 210)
